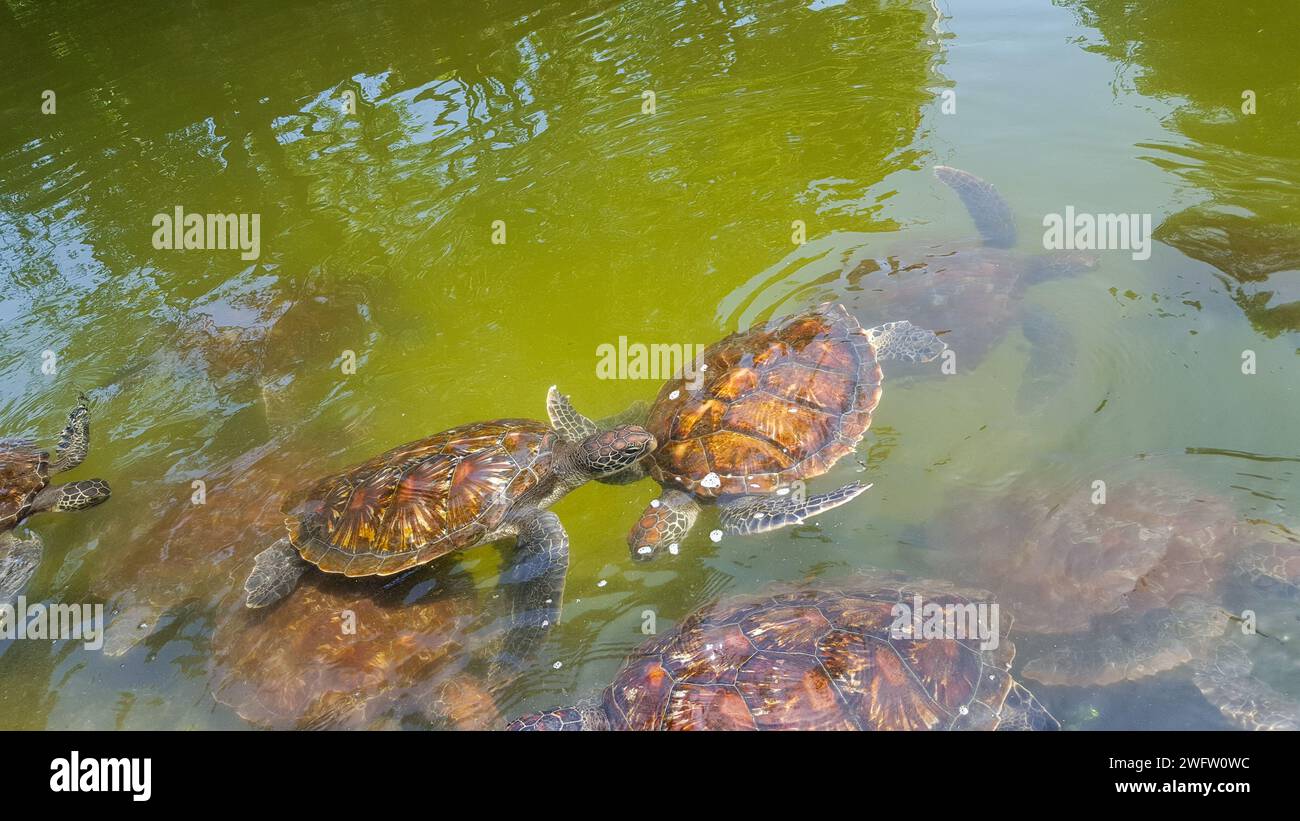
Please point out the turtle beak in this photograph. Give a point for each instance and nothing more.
(641, 443)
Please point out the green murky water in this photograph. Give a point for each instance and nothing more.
(666, 227)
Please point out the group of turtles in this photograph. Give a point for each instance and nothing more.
(766, 410)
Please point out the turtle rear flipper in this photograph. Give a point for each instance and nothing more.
(1225, 679)
(276, 571)
(1126, 647)
(990, 212)
(19, 559)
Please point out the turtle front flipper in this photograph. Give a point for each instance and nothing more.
(534, 586)
(1052, 355)
(905, 342)
(1023, 711)
(1225, 679)
(571, 425)
(19, 559)
(72, 496)
(587, 716)
(1270, 567)
(745, 515)
(74, 441)
(990, 212)
(1125, 646)
(129, 627)
(663, 525)
(574, 427)
(276, 571)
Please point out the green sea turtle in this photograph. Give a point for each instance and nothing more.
(469, 485)
(1133, 587)
(25, 489)
(826, 657)
(768, 408)
(333, 656)
(971, 295)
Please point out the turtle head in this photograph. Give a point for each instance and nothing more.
(607, 452)
(582, 717)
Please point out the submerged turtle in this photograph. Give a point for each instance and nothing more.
(829, 657)
(976, 294)
(1133, 587)
(971, 296)
(465, 486)
(25, 489)
(336, 657)
(769, 407)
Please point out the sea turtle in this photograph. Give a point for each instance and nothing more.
(834, 656)
(769, 407)
(465, 486)
(970, 295)
(333, 656)
(1131, 587)
(25, 489)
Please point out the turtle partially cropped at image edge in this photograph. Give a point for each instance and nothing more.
(25, 489)
(1149, 582)
(774, 405)
(822, 657)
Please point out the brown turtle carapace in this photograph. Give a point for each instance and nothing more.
(828, 657)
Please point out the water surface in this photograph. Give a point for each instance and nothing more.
(670, 227)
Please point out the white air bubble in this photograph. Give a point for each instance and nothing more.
(674, 394)
(673, 548)
(557, 665)
(643, 550)
(782, 491)
(654, 503)
(711, 480)
(601, 583)
(715, 535)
